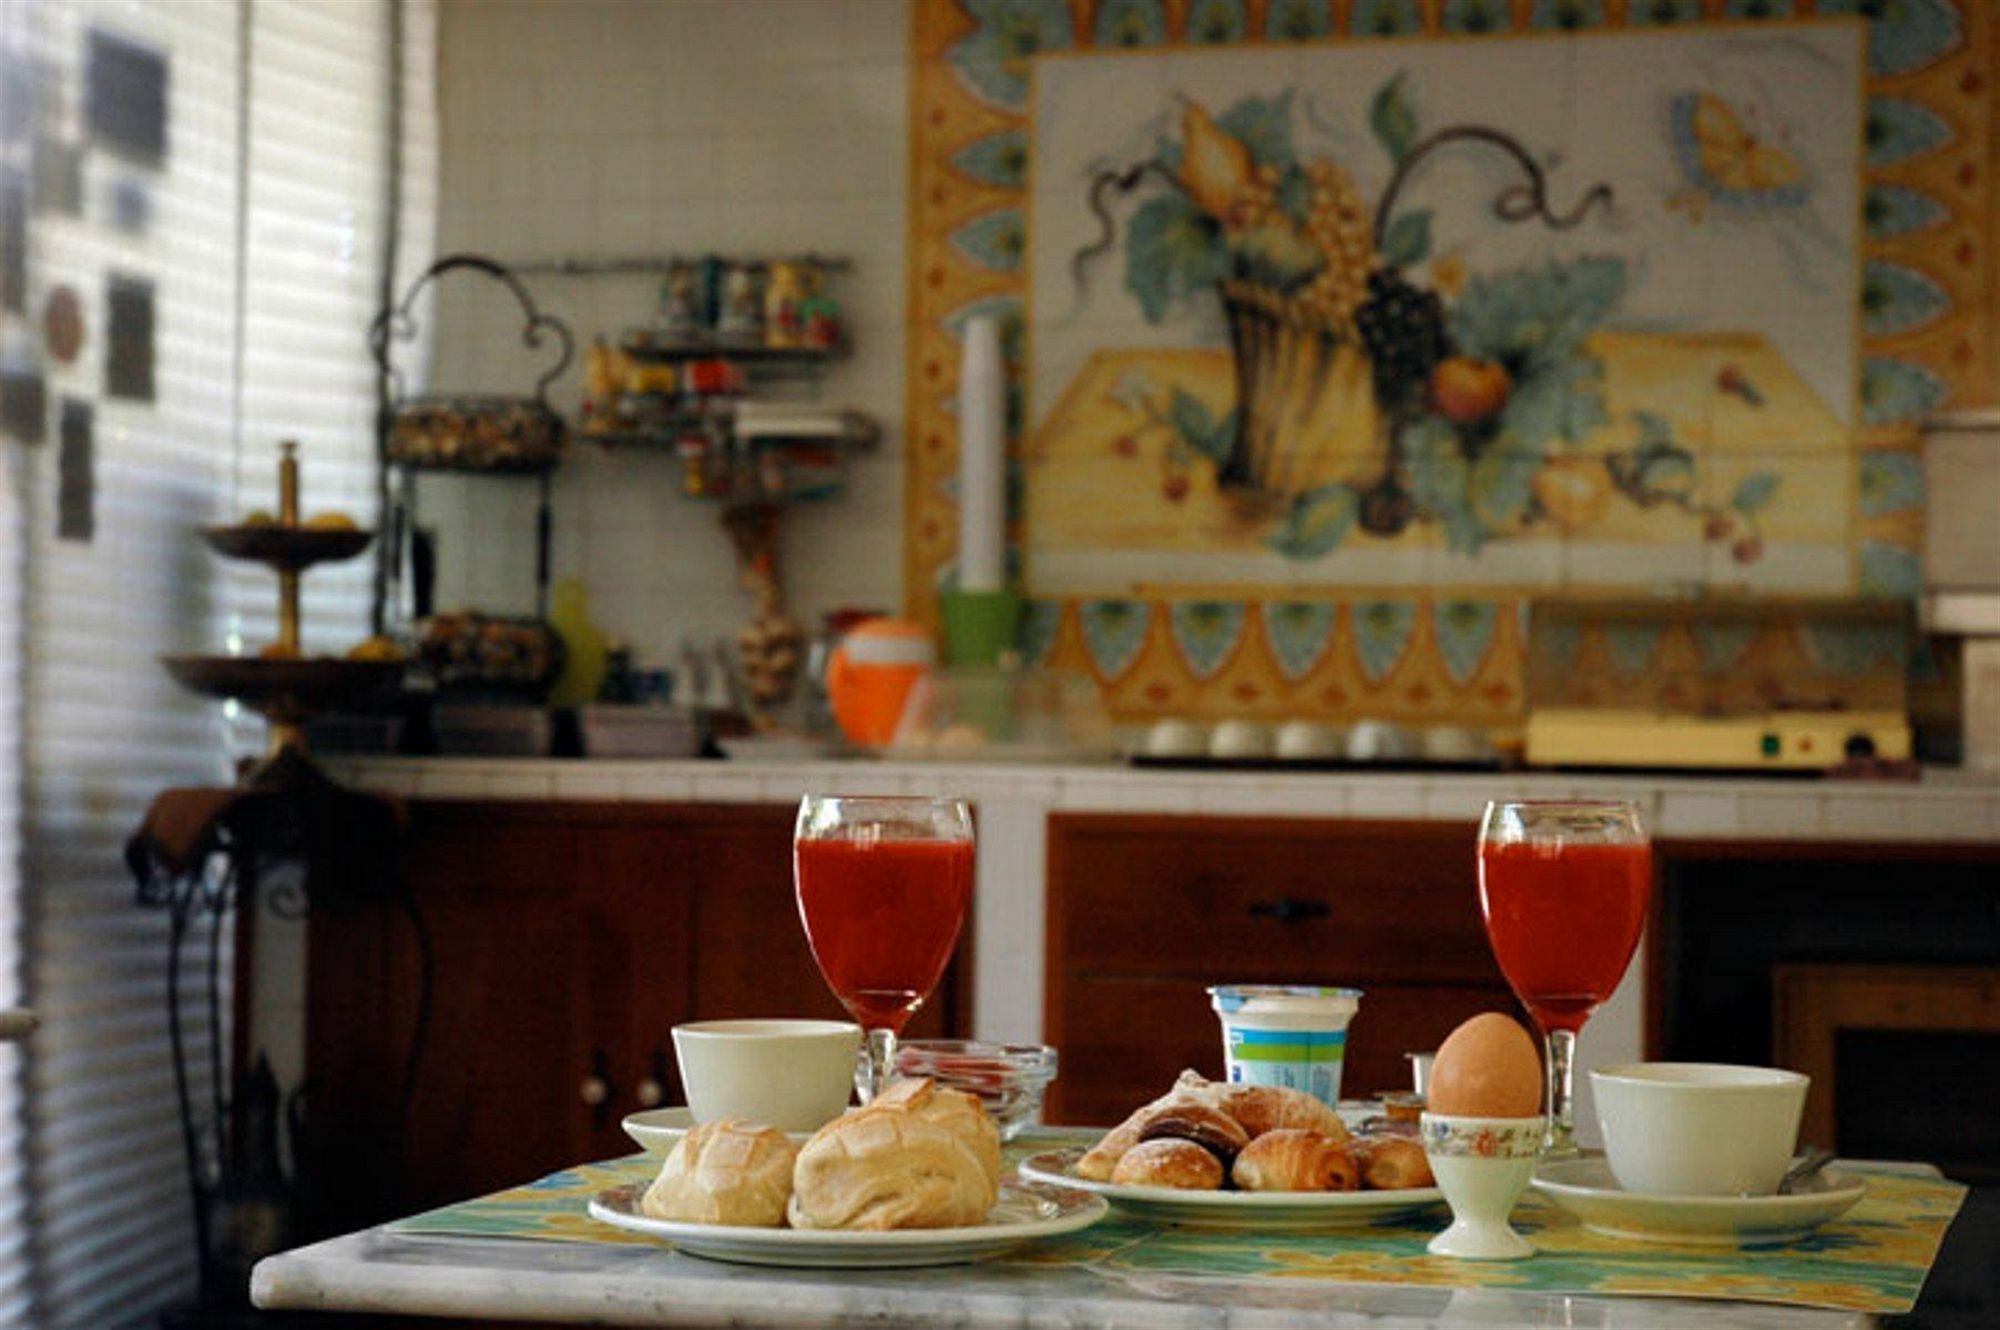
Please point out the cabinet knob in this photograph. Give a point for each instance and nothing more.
(652, 1091)
(1287, 910)
(596, 1089)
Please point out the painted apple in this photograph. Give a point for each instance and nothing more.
(1467, 391)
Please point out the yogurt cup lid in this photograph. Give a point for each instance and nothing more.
(1228, 998)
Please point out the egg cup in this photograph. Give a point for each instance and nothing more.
(1482, 1167)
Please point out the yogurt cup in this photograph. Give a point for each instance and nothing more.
(1291, 1035)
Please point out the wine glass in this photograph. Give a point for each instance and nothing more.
(883, 885)
(1563, 887)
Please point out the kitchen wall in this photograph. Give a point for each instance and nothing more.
(609, 128)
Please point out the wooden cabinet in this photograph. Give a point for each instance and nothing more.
(1145, 912)
(564, 942)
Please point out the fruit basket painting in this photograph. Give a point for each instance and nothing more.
(1518, 314)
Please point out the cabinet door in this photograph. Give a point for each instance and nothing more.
(496, 1097)
(1145, 912)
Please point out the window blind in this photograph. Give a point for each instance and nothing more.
(264, 239)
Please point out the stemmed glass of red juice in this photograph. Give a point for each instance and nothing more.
(883, 886)
(1564, 888)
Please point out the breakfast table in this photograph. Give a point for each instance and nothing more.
(533, 1254)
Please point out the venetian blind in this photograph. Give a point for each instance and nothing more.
(262, 232)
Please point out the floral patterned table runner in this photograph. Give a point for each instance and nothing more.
(1873, 1259)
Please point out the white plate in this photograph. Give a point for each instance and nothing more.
(1586, 1189)
(1236, 1209)
(658, 1130)
(1024, 1215)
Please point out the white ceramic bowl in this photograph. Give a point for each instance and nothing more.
(1242, 739)
(1177, 738)
(1310, 741)
(794, 1075)
(1698, 1128)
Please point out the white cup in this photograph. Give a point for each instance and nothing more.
(1698, 1128)
(794, 1075)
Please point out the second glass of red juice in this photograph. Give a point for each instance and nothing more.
(1564, 889)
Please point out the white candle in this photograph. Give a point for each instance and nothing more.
(982, 459)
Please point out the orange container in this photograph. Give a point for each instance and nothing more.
(870, 675)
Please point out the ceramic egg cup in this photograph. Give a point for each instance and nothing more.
(1482, 1166)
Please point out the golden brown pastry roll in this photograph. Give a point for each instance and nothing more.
(1169, 1162)
(919, 1156)
(1391, 1163)
(1293, 1159)
(725, 1172)
(1262, 1108)
(1210, 1128)
(1099, 1161)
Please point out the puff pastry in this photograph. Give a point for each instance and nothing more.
(725, 1172)
(1263, 1108)
(1098, 1163)
(919, 1156)
(1169, 1162)
(1392, 1162)
(1292, 1159)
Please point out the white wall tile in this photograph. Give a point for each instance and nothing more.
(594, 128)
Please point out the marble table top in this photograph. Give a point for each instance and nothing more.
(503, 1279)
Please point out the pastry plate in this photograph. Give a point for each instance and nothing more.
(1586, 1189)
(1024, 1214)
(1235, 1209)
(658, 1130)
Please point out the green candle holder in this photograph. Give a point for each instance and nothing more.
(979, 626)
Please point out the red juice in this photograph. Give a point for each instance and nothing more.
(1564, 922)
(882, 917)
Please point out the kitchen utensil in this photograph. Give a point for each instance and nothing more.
(794, 1075)
(1798, 1178)
(1698, 1128)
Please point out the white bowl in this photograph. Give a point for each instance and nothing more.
(794, 1075)
(1309, 741)
(1177, 738)
(1240, 740)
(1698, 1128)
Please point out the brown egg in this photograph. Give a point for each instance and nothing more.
(1487, 1068)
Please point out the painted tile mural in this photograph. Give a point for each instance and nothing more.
(1332, 351)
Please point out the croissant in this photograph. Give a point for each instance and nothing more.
(1169, 1162)
(725, 1172)
(1210, 1128)
(1263, 1108)
(1292, 1159)
(1101, 1159)
(1391, 1163)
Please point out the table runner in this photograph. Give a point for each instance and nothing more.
(1873, 1259)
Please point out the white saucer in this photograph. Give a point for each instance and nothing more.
(1586, 1189)
(658, 1130)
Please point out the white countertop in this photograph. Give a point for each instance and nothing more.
(586, 1284)
(1943, 808)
